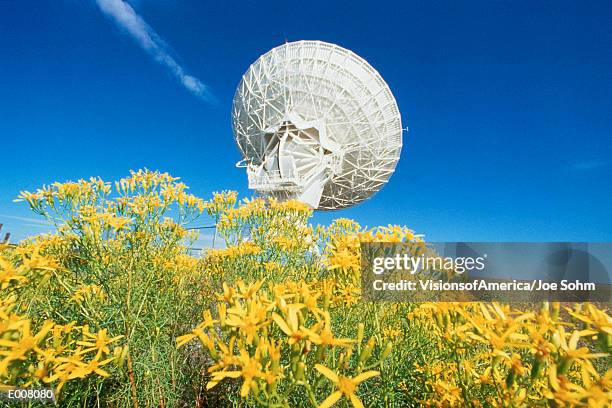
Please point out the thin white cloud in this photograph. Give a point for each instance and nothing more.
(48, 227)
(126, 17)
(588, 165)
(38, 221)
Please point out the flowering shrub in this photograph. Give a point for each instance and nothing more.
(51, 353)
(113, 310)
(438, 354)
(117, 266)
(278, 339)
(491, 354)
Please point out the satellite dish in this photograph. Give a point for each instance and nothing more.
(316, 122)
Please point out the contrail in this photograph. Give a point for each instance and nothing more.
(126, 17)
(29, 220)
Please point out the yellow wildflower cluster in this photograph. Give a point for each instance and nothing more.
(277, 336)
(119, 262)
(470, 353)
(143, 194)
(88, 292)
(244, 249)
(342, 242)
(82, 191)
(261, 236)
(283, 323)
(524, 356)
(221, 202)
(53, 354)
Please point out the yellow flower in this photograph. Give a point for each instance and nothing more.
(498, 342)
(9, 274)
(228, 293)
(86, 291)
(348, 242)
(516, 365)
(197, 332)
(343, 260)
(348, 294)
(291, 326)
(563, 391)
(271, 266)
(98, 342)
(392, 332)
(326, 336)
(82, 370)
(247, 321)
(250, 370)
(286, 243)
(597, 319)
(28, 342)
(310, 299)
(345, 386)
(64, 371)
(248, 291)
(572, 353)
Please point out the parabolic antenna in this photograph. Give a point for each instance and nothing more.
(316, 122)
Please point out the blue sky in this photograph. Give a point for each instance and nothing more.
(509, 104)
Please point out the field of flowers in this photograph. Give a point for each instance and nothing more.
(112, 310)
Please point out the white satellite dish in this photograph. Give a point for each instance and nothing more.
(316, 122)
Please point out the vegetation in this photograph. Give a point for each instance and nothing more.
(112, 310)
